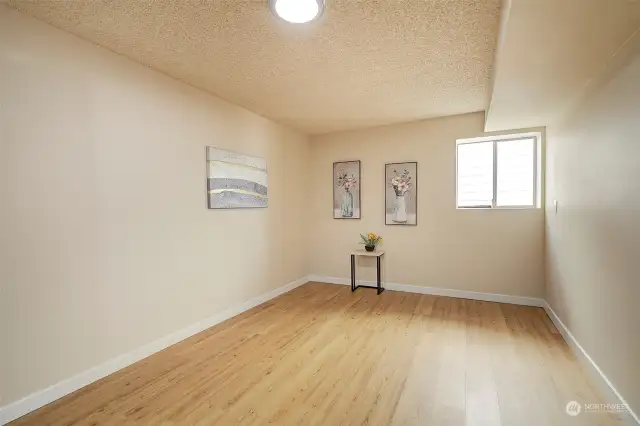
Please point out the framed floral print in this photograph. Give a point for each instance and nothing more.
(401, 193)
(346, 190)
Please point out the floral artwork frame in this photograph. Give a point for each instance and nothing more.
(346, 190)
(401, 193)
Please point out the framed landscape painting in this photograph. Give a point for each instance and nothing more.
(401, 193)
(235, 181)
(346, 190)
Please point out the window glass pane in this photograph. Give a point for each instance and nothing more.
(515, 172)
(475, 174)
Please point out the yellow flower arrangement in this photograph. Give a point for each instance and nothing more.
(371, 240)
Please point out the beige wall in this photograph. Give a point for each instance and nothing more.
(593, 241)
(107, 243)
(495, 251)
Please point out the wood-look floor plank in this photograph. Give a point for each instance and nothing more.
(321, 355)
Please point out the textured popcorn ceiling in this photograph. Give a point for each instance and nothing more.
(364, 63)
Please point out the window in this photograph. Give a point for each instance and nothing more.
(497, 173)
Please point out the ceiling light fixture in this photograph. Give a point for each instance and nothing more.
(297, 11)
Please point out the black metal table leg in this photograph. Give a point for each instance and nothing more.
(353, 273)
(378, 270)
(378, 287)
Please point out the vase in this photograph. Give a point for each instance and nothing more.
(400, 214)
(346, 208)
(369, 248)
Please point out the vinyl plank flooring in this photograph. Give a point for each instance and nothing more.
(321, 355)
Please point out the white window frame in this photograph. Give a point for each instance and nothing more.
(537, 153)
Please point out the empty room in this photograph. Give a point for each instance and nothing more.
(320, 212)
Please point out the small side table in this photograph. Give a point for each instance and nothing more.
(377, 255)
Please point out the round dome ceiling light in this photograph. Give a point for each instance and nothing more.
(297, 11)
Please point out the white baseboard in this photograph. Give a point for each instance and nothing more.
(461, 294)
(45, 396)
(606, 387)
